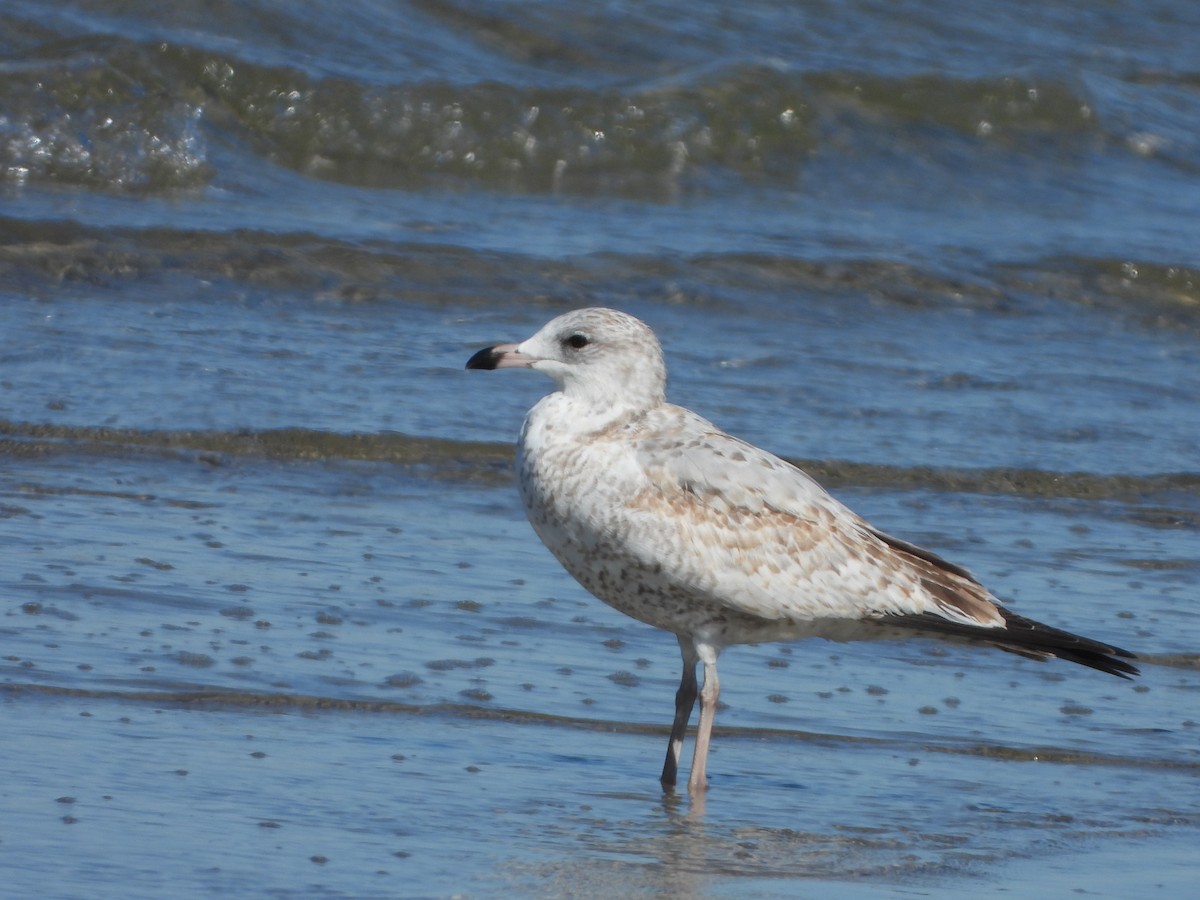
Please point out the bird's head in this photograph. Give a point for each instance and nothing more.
(602, 358)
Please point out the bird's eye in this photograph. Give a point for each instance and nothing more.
(577, 341)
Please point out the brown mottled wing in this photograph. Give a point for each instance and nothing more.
(761, 537)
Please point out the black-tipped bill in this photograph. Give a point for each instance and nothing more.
(502, 356)
(484, 359)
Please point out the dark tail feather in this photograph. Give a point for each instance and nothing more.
(1028, 638)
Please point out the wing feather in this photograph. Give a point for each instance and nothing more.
(768, 541)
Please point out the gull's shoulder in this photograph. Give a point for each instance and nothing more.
(680, 451)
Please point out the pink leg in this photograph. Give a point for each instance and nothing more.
(709, 694)
(685, 699)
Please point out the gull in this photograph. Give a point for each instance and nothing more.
(668, 519)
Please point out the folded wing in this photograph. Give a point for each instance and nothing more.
(764, 539)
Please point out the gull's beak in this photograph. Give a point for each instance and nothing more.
(502, 356)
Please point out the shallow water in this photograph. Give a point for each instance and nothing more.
(271, 620)
(173, 618)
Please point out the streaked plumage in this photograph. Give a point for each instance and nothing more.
(663, 516)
